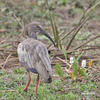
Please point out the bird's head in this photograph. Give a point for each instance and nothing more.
(32, 29)
(48, 79)
(46, 74)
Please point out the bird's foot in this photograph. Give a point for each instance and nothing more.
(25, 89)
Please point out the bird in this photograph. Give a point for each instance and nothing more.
(33, 54)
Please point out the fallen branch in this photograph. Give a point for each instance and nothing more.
(86, 42)
(64, 61)
(67, 70)
(6, 60)
(76, 32)
(3, 30)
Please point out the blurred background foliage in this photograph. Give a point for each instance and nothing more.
(75, 27)
(59, 17)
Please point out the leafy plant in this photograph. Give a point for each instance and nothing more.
(71, 96)
(64, 52)
(18, 71)
(81, 71)
(64, 2)
(75, 67)
(89, 86)
(59, 70)
(55, 30)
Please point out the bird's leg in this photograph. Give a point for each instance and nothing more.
(29, 79)
(37, 82)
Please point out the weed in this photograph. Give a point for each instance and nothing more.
(59, 71)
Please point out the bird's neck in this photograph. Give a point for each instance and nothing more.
(34, 36)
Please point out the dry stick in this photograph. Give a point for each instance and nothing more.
(72, 29)
(5, 40)
(90, 48)
(72, 50)
(77, 27)
(82, 19)
(93, 46)
(2, 49)
(91, 3)
(6, 60)
(87, 42)
(76, 32)
(11, 59)
(18, 21)
(87, 11)
(68, 33)
(2, 41)
(68, 71)
(63, 61)
(93, 7)
(84, 15)
(3, 30)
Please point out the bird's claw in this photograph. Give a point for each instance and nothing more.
(25, 90)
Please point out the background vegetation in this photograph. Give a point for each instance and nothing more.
(75, 27)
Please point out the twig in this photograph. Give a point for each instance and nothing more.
(83, 44)
(64, 61)
(21, 25)
(92, 8)
(90, 48)
(87, 42)
(80, 22)
(76, 32)
(3, 30)
(83, 20)
(2, 41)
(6, 60)
(68, 71)
(68, 33)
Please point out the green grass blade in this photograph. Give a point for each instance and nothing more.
(59, 70)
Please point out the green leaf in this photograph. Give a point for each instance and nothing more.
(81, 71)
(64, 52)
(64, 2)
(71, 96)
(75, 66)
(78, 58)
(59, 70)
(18, 71)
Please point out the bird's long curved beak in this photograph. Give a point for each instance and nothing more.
(47, 35)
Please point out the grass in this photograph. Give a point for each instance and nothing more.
(13, 83)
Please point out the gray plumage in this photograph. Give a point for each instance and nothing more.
(33, 54)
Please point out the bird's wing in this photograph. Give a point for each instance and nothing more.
(34, 56)
(44, 56)
(25, 55)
